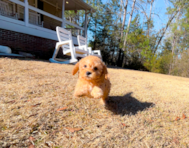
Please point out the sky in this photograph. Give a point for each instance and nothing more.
(159, 9)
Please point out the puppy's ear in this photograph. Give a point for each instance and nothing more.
(105, 71)
(75, 69)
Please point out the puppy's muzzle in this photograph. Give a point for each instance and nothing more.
(88, 73)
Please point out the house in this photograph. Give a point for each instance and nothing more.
(29, 25)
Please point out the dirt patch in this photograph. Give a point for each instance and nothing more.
(38, 110)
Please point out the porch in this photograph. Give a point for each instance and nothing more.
(40, 17)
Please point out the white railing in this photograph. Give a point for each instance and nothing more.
(27, 7)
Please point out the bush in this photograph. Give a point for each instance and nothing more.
(181, 65)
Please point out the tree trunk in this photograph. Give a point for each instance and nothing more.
(149, 18)
(125, 41)
(124, 18)
(175, 37)
(113, 63)
(119, 58)
(168, 23)
(95, 34)
(174, 43)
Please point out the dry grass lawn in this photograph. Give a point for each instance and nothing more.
(37, 109)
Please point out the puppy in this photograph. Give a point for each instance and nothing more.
(93, 79)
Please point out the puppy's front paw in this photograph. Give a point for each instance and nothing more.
(96, 93)
(78, 94)
(81, 90)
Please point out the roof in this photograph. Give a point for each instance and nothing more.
(78, 5)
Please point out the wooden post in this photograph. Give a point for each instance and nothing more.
(35, 3)
(26, 13)
(85, 24)
(63, 8)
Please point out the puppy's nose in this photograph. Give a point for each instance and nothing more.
(88, 73)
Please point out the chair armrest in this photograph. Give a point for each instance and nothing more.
(82, 47)
(58, 44)
(63, 43)
(80, 50)
(97, 52)
(90, 50)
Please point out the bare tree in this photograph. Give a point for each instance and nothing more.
(165, 29)
(175, 36)
(128, 26)
(124, 16)
(149, 18)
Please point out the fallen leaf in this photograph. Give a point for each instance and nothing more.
(124, 125)
(74, 129)
(31, 146)
(36, 104)
(176, 140)
(63, 108)
(11, 101)
(183, 116)
(68, 137)
(31, 138)
(32, 115)
(150, 120)
(177, 118)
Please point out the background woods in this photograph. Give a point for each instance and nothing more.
(126, 32)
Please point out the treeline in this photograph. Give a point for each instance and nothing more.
(124, 32)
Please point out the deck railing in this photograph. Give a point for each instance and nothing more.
(27, 13)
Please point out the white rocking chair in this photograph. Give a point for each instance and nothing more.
(65, 41)
(82, 41)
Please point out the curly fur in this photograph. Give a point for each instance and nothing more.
(93, 78)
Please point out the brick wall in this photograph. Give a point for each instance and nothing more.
(40, 47)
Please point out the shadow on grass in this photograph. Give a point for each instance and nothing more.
(126, 104)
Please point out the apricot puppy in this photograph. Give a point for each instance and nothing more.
(93, 78)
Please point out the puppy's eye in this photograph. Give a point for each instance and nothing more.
(95, 68)
(85, 66)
